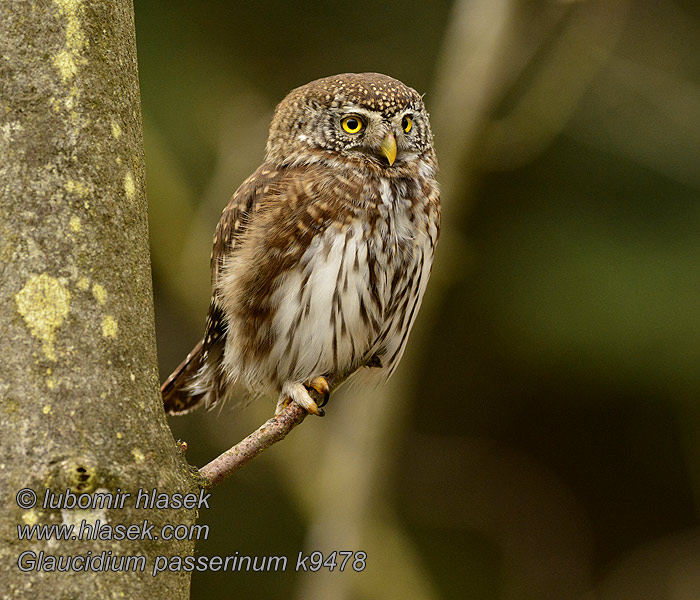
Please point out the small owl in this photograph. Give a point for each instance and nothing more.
(322, 256)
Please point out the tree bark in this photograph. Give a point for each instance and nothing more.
(79, 396)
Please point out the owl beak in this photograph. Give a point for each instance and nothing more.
(388, 147)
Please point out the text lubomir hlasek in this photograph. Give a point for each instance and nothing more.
(144, 499)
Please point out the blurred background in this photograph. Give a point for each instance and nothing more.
(541, 438)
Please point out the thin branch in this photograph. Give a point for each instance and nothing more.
(272, 431)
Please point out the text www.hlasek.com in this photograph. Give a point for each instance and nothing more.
(106, 532)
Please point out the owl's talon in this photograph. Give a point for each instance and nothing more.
(299, 394)
(321, 386)
(314, 409)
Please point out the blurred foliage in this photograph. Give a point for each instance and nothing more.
(542, 438)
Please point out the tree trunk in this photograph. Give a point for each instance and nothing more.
(79, 396)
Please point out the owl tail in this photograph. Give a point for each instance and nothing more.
(198, 380)
(178, 396)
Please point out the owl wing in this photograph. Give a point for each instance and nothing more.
(198, 379)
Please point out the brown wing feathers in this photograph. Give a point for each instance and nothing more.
(197, 379)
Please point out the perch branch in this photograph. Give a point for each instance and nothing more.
(272, 431)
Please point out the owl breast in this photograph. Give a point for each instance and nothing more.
(351, 297)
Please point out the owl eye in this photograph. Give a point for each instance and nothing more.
(407, 123)
(352, 124)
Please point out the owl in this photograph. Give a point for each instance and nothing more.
(322, 256)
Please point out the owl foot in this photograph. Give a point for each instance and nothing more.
(320, 385)
(297, 392)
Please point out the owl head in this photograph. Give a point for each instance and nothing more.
(368, 118)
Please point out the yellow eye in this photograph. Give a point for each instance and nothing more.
(407, 123)
(352, 124)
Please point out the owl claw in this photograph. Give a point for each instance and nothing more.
(299, 394)
(320, 385)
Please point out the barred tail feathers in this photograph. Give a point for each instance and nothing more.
(177, 393)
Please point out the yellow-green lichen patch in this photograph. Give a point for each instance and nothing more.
(138, 455)
(83, 284)
(64, 61)
(30, 517)
(116, 130)
(68, 58)
(77, 188)
(74, 224)
(10, 407)
(129, 186)
(109, 326)
(9, 131)
(100, 293)
(44, 303)
(55, 104)
(47, 409)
